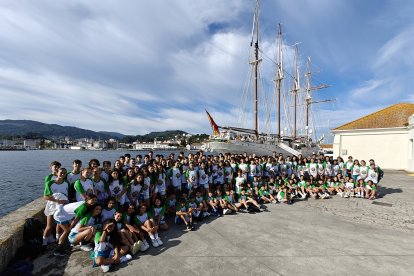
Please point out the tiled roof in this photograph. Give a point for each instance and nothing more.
(392, 116)
(327, 146)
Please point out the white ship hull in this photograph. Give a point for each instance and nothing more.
(239, 147)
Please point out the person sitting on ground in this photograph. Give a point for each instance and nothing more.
(108, 249)
(147, 224)
(184, 214)
(85, 230)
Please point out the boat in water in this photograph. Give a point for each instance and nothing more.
(291, 140)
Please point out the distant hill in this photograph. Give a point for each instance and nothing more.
(160, 135)
(37, 129)
(34, 129)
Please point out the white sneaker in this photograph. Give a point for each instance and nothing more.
(159, 241)
(105, 268)
(85, 247)
(346, 195)
(125, 258)
(144, 246)
(358, 195)
(154, 243)
(225, 211)
(341, 194)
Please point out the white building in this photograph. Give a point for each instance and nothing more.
(153, 146)
(385, 136)
(31, 144)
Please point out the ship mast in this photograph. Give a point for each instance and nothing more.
(308, 99)
(280, 76)
(296, 88)
(255, 63)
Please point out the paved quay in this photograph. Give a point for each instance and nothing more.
(335, 236)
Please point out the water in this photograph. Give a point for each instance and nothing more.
(22, 173)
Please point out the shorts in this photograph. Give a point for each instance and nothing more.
(71, 237)
(106, 254)
(62, 222)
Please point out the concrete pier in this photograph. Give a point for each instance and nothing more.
(337, 236)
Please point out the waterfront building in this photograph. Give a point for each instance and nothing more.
(385, 136)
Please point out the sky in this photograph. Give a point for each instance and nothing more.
(139, 66)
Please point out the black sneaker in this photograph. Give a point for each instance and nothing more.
(59, 251)
(188, 227)
(191, 227)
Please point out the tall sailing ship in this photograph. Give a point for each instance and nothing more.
(289, 140)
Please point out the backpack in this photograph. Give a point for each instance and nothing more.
(380, 174)
(32, 240)
(19, 268)
(33, 230)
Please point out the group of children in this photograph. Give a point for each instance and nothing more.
(119, 207)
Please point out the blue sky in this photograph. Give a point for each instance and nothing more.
(141, 66)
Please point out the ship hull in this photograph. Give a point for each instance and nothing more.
(239, 147)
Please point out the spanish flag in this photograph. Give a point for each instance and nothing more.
(214, 126)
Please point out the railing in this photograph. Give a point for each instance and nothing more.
(288, 149)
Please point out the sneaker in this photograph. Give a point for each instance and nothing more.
(341, 194)
(59, 251)
(105, 268)
(206, 214)
(85, 247)
(136, 247)
(144, 247)
(192, 227)
(125, 258)
(189, 227)
(154, 243)
(159, 241)
(346, 195)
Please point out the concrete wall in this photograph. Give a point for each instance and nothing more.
(410, 165)
(11, 229)
(388, 147)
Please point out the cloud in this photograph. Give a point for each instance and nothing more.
(156, 65)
